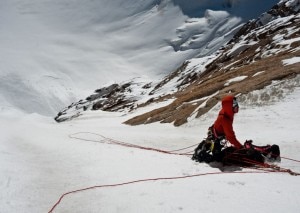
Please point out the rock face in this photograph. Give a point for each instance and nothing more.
(254, 57)
(112, 98)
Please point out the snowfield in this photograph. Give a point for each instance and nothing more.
(41, 160)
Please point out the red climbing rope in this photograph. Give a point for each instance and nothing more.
(173, 152)
(241, 158)
(259, 167)
(290, 159)
(150, 179)
(121, 143)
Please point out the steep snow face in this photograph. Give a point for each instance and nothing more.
(206, 34)
(54, 52)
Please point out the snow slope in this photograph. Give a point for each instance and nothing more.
(40, 162)
(54, 52)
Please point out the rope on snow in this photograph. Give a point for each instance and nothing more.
(261, 167)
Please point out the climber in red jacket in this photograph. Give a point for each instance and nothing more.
(223, 124)
(212, 148)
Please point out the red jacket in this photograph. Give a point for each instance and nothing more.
(223, 124)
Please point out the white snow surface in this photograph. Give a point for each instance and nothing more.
(40, 161)
(236, 79)
(293, 60)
